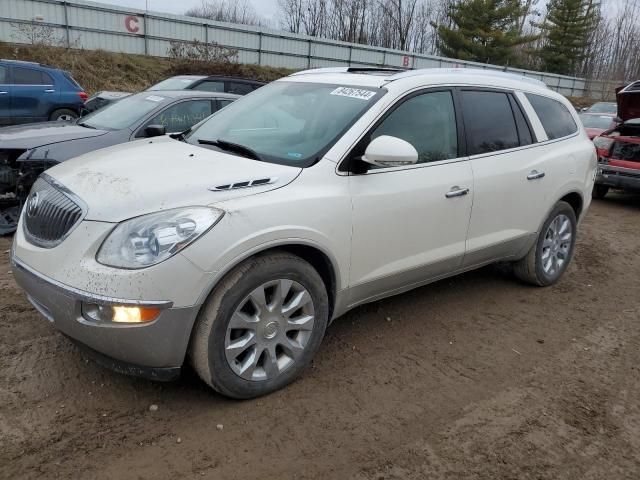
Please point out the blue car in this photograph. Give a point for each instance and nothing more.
(32, 92)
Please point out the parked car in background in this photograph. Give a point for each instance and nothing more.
(32, 92)
(203, 83)
(28, 150)
(102, 99)
(234, 245)
(602, 107)
(619, 148)
(596, 123)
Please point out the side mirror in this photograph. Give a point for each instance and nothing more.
(155, 131)
(387, 151)
(584, 109)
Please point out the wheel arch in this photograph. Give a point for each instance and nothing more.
(576, 201)
(323, 262)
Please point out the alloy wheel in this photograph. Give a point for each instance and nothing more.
(269, 330)
(556, 246)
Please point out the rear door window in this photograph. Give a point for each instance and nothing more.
(27, 76)
(223, 103)
(554, 116)
(239, 88)
(46, 79)
(489, 122)
(4, 75)
(210, 86)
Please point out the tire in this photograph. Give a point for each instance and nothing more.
(214, 336)
(599, 191)
(63, 114)
(532, 268)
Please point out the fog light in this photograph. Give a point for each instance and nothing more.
(134, 314)
(119, 314)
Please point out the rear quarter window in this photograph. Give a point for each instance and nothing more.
(556, 119)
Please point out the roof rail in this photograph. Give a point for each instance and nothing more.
(365, 70)
(473, 71)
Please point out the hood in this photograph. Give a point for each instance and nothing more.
(146, 176)
(38, 134)
(628, 100)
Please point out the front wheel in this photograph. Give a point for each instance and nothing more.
(261, 326)
(548, 259)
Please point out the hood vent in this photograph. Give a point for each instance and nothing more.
(244, 184)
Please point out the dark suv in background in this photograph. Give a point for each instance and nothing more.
(204, 83)
(32, 92)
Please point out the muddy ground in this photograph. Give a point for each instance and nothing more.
(476, 377)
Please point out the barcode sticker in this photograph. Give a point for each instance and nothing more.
(354, 93)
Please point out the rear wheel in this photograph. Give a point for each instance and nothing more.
(261, 326)
(599, 191)
(548, 259)
(63, 115)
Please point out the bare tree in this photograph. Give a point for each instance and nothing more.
(239, 11)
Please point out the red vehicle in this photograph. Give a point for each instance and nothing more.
(619, 147)
(597, 123)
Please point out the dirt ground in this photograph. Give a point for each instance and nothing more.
(476, 377)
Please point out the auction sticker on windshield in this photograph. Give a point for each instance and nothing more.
(354, 93)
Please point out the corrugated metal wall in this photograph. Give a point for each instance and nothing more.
(89, 25)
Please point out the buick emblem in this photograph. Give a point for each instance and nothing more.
(33, 204)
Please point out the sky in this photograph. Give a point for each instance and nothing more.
(265, 8)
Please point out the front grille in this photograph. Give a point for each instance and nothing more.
(49, 214)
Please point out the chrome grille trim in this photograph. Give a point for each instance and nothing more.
(51, 213)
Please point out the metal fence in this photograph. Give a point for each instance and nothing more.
(89, 25)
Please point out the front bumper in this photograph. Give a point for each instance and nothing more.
(154, 350)
(618, 177)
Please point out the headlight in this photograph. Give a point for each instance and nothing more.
(150, 239)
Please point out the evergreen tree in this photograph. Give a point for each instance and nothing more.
(567, 29)
(483, 31)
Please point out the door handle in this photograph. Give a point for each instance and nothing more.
(534, 175)
(49, 91)
(456, 192)
(3, 93)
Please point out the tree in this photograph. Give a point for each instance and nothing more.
(484, 31)
(239, 11)
(567, 29)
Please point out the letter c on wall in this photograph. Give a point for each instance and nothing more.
(131, 24)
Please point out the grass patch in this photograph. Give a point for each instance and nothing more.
(99, 70)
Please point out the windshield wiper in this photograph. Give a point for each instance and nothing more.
(233, 147)
(86, 125)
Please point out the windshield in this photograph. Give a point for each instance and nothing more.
(174, 83)
(291, 123)
(603, 107)
(596, 121)
(124, 113)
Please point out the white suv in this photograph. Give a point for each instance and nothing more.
(237, 242)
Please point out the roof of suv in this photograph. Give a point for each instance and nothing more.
(26, 63)
(188, 93)
(378, 77)
(216, 77)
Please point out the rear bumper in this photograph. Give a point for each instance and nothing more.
(155, 350)
(618, 177)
